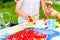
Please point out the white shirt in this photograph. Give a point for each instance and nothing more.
(31, 7)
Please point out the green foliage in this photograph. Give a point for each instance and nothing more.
(6, 17)
(9, 4)
(11, 10)
(56, 7)
(41, 14)
(4, 1)
(9, 7)
(54, 1)
(51, 17)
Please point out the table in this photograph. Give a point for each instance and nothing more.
(10, 30)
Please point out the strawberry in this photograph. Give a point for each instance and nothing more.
(30, 19)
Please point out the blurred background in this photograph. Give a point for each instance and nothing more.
(9, 6)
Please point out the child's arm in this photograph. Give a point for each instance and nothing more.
(18, 10)
(45, 9)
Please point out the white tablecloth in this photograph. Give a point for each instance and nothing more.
(17, 28)
(11, 30)
(56, 38)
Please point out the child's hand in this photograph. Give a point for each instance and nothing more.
(46, 12)
(25, 16)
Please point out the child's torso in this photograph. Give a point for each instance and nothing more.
(30, 6)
